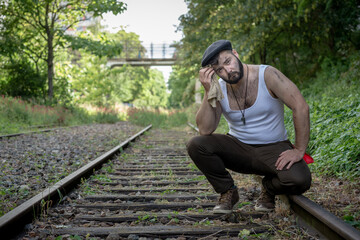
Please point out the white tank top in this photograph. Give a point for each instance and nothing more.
(264, 119)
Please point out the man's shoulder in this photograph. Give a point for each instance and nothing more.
(258, 66)
(270, 70)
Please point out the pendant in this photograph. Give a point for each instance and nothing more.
(243, 120)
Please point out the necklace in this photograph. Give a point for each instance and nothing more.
(246, 83)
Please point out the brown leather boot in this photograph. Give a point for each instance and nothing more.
(265, 202)
(227, 201)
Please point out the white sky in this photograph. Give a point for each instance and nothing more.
(155, 21)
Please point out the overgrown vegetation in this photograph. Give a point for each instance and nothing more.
(17, 115)
(159, 118)
(334, 100)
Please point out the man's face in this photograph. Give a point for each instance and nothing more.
(229, 67)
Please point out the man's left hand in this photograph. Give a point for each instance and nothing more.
(288, 158)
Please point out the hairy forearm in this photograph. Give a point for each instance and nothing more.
(206, 118)
(301, 120)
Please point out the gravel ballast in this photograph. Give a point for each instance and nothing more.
(32, 162)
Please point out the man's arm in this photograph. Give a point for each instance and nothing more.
(207, 118)
(287, 92)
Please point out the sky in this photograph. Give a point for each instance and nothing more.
(155, 21)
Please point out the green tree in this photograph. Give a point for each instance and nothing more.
(44, 23)
(95, 83)
(131, 43)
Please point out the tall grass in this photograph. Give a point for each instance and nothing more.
(17, 115)
(159, 118)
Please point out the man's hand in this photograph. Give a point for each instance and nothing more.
(205, 76)
(288, 158)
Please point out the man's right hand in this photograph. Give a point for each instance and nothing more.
(205, 76)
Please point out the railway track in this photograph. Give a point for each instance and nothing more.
(39, 129)
(151, 190)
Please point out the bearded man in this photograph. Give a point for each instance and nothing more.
(253, 106)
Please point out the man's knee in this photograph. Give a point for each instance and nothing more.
(301, 183)
(196, 144)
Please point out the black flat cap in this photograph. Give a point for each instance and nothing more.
(214, 49)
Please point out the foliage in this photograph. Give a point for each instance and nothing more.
(101, 48)
(37, 28)
(92, 81)
(182, 91)
(95, 83)
(335, 135)
(131, 44)
(335, 112)
(296, 36)
(152, 90)
(21, 79)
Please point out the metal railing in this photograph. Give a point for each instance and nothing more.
(152, 50)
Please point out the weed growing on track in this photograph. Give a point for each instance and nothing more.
(192, 167)
(75, 237)
(102, 178)
(45, 205)
(168, 191)
(87, 188)
(109, 167)
(147, 218)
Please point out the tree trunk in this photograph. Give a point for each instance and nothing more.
(50, 63)
(263, 54)
(49, 27)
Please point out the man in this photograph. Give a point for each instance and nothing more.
(253, 105)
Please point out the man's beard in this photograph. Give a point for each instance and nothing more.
(234, 77)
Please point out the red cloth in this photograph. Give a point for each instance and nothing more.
(308, 159)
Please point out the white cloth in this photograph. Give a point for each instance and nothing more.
(215, 93)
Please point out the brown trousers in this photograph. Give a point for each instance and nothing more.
(215, 153)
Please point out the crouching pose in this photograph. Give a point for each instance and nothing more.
(253, 105)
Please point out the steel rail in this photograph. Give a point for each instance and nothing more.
(11, 222)
(321, 220)
(37, 131)
(23, 133)
(41, 130)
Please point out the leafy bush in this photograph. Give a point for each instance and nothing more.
(334, 100)
(335, 135)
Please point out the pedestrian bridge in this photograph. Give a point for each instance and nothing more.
(141, 62)
(153, 55)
